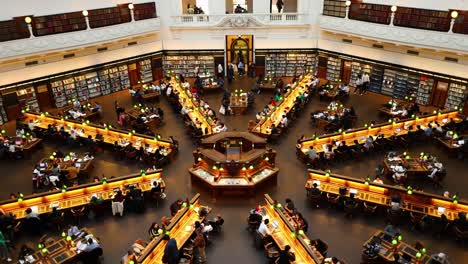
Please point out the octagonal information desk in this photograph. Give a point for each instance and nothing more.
(80, 195)
(234, 162)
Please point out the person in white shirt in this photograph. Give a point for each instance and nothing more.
(76, 104)
(263, 228)
(54, 179)
(399, 172)
(186, 85)
(378, 180)
(169, 91)
(73, 231)
(284, 121)
(184, 110)
(220, 70)
(344, 90)
(315, 82)
(434, 169)
(369, 143)
(31, 125)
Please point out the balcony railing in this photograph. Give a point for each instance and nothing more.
(239, 20)
(76, 39)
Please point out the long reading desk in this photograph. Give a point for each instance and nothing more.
(381, 194)
(80, 195)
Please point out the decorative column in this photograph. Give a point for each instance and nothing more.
(392, 16)
(132, 14)
(348, 4)
(454, 16)
(85, 14)
(28, 21)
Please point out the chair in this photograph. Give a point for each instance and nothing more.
(369, 208)
(271, 250)
(321, 246)
(252, 225)
(92, 257)
(416, 220)
(460, 236)
(78, 213)
(394, 217)
(58, 221)
(366, 259)
(315, 198)
(156, 197)
(350, 208)
(333, 199)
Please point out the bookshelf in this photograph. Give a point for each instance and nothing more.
(400, 85)
(144, 11)
(422, 19)
(461, 23)
(3, 115)
(59, 23)
(13, 29)
(27, 98)
(146, 73)
(356, 70)
(124, 79)
(373, 13)
(108, 16)
(376, 79)
(94, 84)
(336, 8)
(289, 64)
(424, 90)
(69, 90)
(185, 65)
(412, 85)
(456, 95)
(105, 82)
(81, 87)
(58, 93)
(388, 82)
(333, 68)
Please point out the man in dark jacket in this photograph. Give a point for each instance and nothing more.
(171, 252)
(286, 256)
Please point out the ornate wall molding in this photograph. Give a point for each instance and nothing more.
(398, 35)
(77, 39)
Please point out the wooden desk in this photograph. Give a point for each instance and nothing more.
(285, 234)
(387, 249)
(450, 143)
(398, 128)
(79, 195)
(135, 112)
(263, 127)
(186, 99)
(238, 103)
(180, 228)
(269, 85)
(27, 146)
(413, 166)
(147, 96)
(418, 202)
(110, 135)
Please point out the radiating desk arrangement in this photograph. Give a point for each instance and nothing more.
(284, 232)
(109, 134)
(196, 115)
(381, 194)
(64, 250)
(80, 195)
(233, 162)
(390, 245)
(263, 127)
(180, 228)
(393, 128)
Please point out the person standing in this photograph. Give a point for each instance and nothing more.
(4, 254)
(279, 5)
(171, 252)
(365, 82)
(230, 73)
(241, 68)
(220, 71)
(200, 244)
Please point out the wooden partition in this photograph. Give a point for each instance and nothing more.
(287, 234)
(180, 228)
(380, 194)
(77, 196)
(392, 128)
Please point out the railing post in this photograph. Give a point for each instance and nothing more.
(392, 15)
(132, 14)
(454, 16)
(348, 4)
(28, 21)
(85, 14)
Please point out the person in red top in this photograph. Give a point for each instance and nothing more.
(272, 101)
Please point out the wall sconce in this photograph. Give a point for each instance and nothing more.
(454, 16)
(28, 21)
(348, 4)
(85, 14)
(392, 16)
(132, 14)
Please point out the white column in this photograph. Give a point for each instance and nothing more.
(392, 15)
(261, 6)
(454, 16)
(132, 13)
(348, 4)
(28, 21)
(217, 7)
(85, 14)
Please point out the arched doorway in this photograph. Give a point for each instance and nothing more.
(239, 48)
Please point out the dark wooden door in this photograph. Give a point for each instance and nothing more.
(133, 74)
(346, 71)
(439, 96)
(43, 97)
(322, 67)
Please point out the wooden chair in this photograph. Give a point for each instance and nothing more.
(460, 236)
(369, 208)
(333, 199)
(78, 213)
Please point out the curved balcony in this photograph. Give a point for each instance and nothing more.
(77, 39)
(435, 40)
(246, 20)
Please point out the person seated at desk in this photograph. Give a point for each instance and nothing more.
(369, 143)
(31, 214)
(118, 203)
(328, 151)
(312, 153)
(175, 207)
(24, 252)
(343, 90)
(220, 128)
(91, 245)
(378, 180)
(399, 172)
(97, 108)
(439, 258)
(302, 224)
(135, 197)
(461, 222)
(289, 207)
(264, 230)
(153, 230)
(255, 217)
(434, 169)
(156, 187)
(286, 256)
(284, 121)
(129, 258)
(332, 260)
(391, 103)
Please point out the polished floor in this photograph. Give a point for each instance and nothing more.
(234, 245)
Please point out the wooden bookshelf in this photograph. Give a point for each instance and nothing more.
(144, 11)
(185, 65)
(373, 13)
(13, 29)
(289, 64)
(422, 19)
(108, 16)
(461, 23)
(59, 23)
(336, 8)
(27, 99)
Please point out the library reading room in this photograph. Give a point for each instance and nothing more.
(234, 131)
